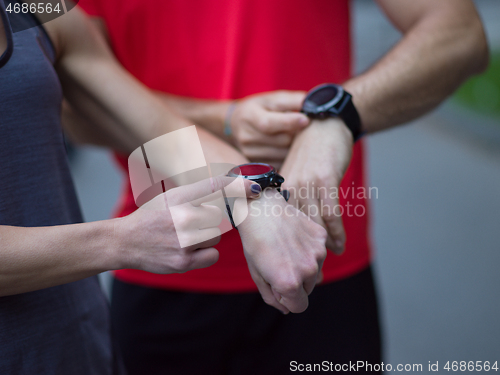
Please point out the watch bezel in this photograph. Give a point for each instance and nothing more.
(254, 176)
(332, 107)
(265, 180)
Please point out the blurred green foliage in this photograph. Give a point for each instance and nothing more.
(482, 93)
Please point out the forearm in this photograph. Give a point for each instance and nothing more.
(109, 107)
(207, 113)
(85, 131)
(122, 115)
(41, 257)
(436, 55)
(218, 151)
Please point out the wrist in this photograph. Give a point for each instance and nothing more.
(356, 87)
(268, 198)
(338, 127)
(228, 114)
(332, 128)
(271, 195)
(259, 209)
(116, 254)
(94, 243)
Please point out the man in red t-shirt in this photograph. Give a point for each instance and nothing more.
(201, 57)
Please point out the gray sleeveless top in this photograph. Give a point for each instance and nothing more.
(64, 329)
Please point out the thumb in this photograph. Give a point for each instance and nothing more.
(279, 122)
(336, 233)
(319, 280)
(285, 101)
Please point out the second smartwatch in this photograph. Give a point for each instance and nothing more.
(263, 174)
(330, 100)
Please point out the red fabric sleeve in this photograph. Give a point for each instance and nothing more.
(91, 7)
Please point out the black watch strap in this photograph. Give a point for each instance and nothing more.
(228, 209)
(350, 116)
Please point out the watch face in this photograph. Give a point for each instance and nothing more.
(323, 95)
(322, 101)
(263, 174)
(252, 170)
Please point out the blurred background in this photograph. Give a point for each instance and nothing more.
(436, 222)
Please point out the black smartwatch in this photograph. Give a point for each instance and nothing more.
(330, 100)
(263, 174)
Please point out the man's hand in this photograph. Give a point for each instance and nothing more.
(264, 125)
(285, 251)
(316, 163)
(174, 232)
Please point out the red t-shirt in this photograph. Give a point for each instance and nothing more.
(228, 49)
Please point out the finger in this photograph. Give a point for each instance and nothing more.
(241, 188)
(201, 191)
(283, 101)
(310, 283)
(203, 258)
(187, 217)
(275, 163)
(331, 215)
(319, 280)
(192, 239)
(278, 122)
(317, 213)
(210, 235)
(207, 216)
(282, 140)
(253, 137)
(205, 244)
(294, 300)
(268, 296)
(265, 152)
(336, 236)
(309, 206)
(265, 290)
(332, 222)
(313, 281)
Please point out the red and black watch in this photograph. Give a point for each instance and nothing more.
(263, 174)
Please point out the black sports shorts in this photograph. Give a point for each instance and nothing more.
(178, 333)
